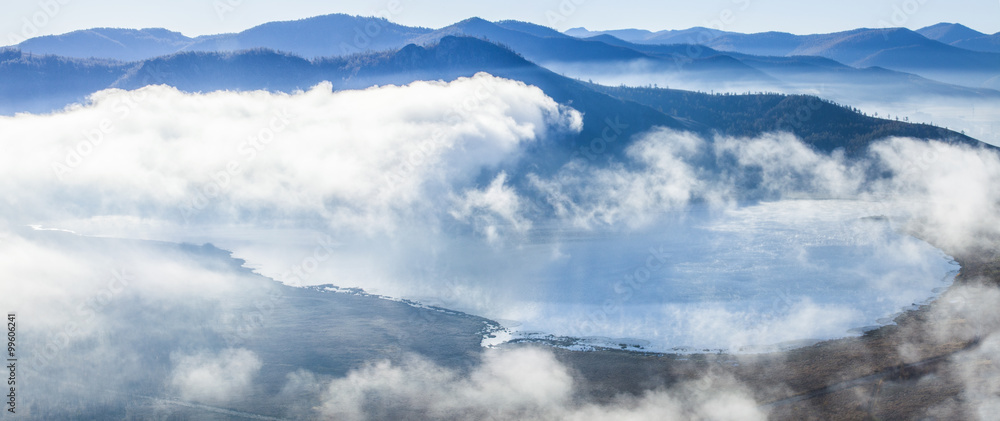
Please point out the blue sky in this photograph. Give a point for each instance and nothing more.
(199, 17)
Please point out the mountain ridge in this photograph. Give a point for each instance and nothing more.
(339, 34)
(451, 57)
(893, 48)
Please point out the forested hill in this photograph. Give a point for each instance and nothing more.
(821, 123)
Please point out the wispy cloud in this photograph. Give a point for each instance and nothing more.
(526, 384)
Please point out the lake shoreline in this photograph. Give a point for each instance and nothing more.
(832, 379)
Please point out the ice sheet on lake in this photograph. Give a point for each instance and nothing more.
(772, 274)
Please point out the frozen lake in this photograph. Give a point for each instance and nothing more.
(743, 279)
(780, 273)
(740, 279)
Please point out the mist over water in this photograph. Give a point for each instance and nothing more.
(344, 251)
(682, 243)
(740, 279)
(747, 278)
(679, 243)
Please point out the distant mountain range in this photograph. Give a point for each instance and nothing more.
(318, 36)
(110, 43)
(724, 60)
(946, 52)
(26, 84)
(962, 36)
(283, 58)
(787, 73)
(782, 43)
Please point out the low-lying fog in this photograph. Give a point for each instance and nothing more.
(742, 278)
(405, 191)
(670, 247)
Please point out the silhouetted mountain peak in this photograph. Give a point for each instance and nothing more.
(631, 35)
(472, 51)
(474, 26)
(531, 28)
(607, 39)
(949, 32)
(161, 33)
(326, 35)
(119, 43)
(474, 22)
(327, 22)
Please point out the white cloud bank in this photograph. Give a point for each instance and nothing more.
(381, 172)
(214, 377)
(943, 191)
(518, 384)
(389, 158)
(360, 160)
(622, 193)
